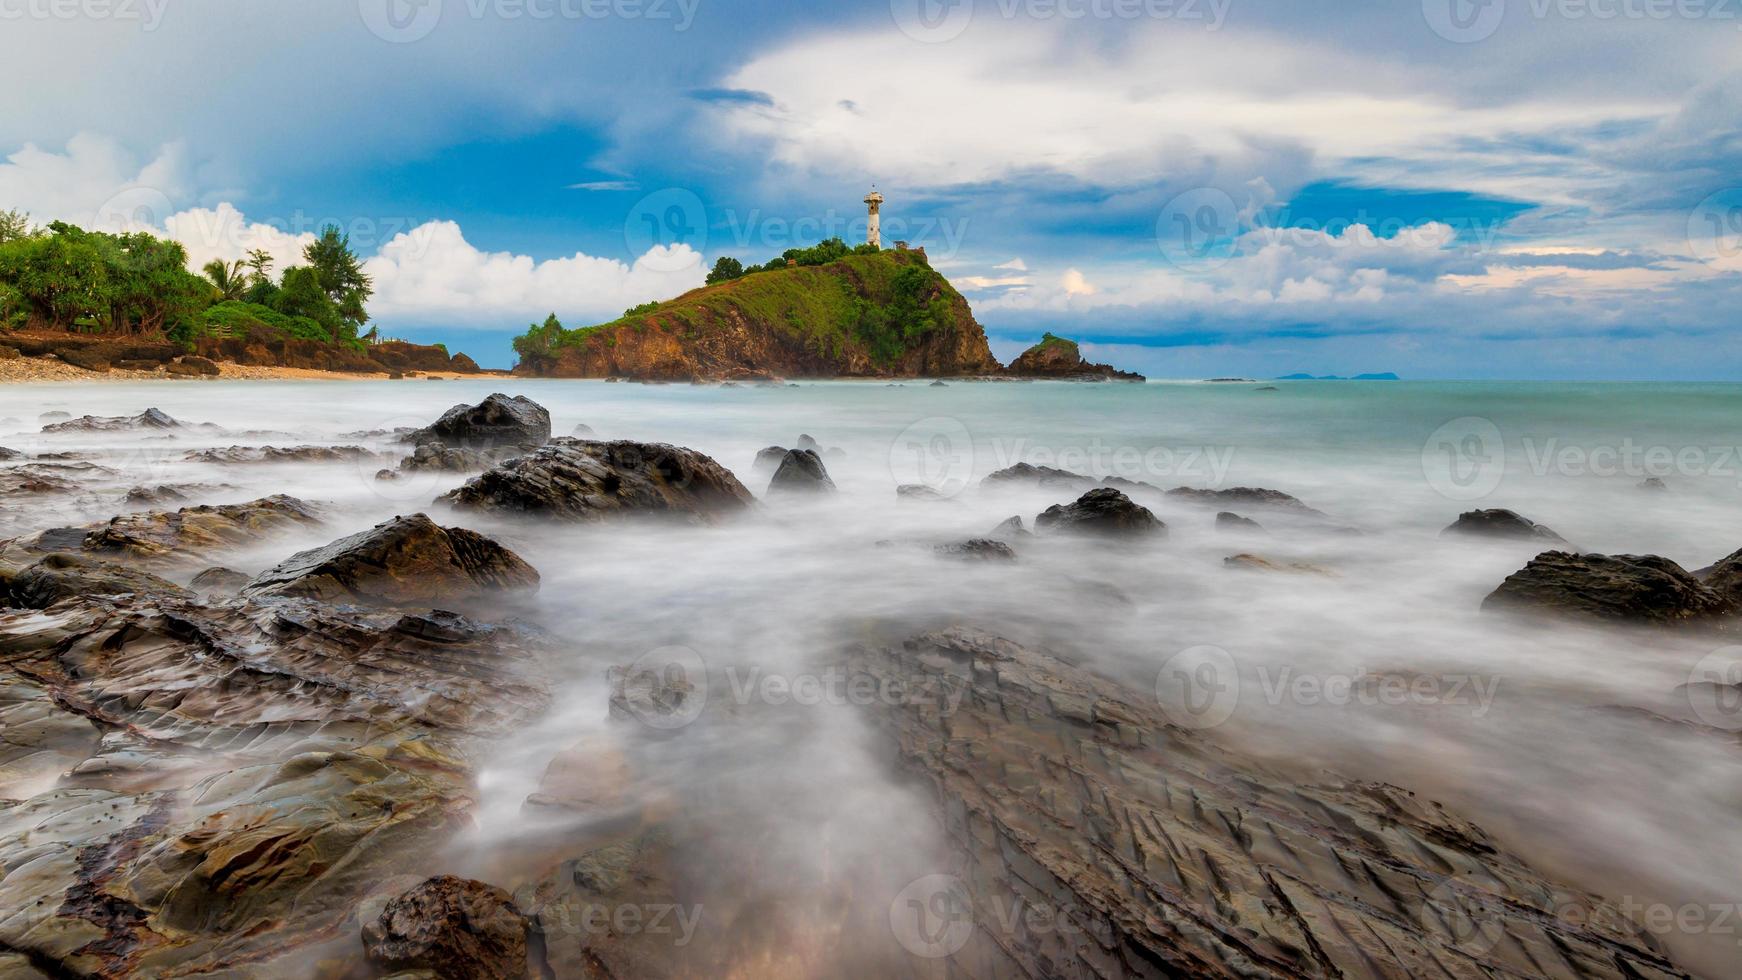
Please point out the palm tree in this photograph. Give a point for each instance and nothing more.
(230, 278)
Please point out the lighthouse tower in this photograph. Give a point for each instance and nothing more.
(873, 234)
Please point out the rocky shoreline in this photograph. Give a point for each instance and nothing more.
(209, 771)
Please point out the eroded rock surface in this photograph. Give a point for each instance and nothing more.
(456, 927)
(404, 561)
(282, 454)
(197, 534)
(1154, 853)
(495, 423)
(151, 418)
(578, 480)
(1644, 589)
(1498, 522)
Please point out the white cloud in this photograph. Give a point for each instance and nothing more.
(224, 233)
(1014, 265)
(95, 183)
(432, 273)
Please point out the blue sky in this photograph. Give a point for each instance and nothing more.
(1443, 188)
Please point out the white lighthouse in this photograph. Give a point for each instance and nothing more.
(874, 202)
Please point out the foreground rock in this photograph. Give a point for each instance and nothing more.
(577, 480)
(1500, 523)
(404, 561)
(194, 534)
(1103, 511)
(1061, 359)
(1152, 852)
(64, 576)
(261, 767)
(151, 418)
(455, 927)
(495, 423)
(1643, 589)
(801, 471)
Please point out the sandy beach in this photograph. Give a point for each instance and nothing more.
(52, 369)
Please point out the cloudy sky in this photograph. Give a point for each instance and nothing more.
(1443, 188)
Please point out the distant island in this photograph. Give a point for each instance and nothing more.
(1382, 376)
(828, 311)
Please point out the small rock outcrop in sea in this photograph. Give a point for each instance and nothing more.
(192, 534)
(1500, 523)
(1228, 521)
(453, 927)
(1030, 475)
(801, 471)
(977, 549)
(404, 561)
(1653, 483)
(497, 422)
(767, 461)
(1010, 529)
(10, 454)
(61, 576)
(1101, 511)
(920, 493)
(1724, 577)
(281, 454)
(1642, 589)
(1061, 359)
(576, 480)
(1244, 497)
(151, 418)
(1247, 561)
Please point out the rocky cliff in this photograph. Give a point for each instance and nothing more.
(1058, 358)
(865, 315)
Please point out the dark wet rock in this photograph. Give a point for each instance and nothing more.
(219, 580)
(1653, 483)
(806, 442)
(1228, 521)
(151, 418)
(7, 454)
(405, 561)
(578, 480)
(282, 454)
(801, 471)
(193, 534)
(192, 366)
(1267, 388)
(1180, 858)
(155, 496)
(920, 493)
(977, 549)
(28, 480)
(1244, 497)
(1724, 577)
(495, 423)
(1101, 511)
(1642, 589)
(454, 927)
(1246, 561)
(1010, 529)
(264, 767)
(938, 384)
(435, 457)
(767, 461)
(1500, 523)
(1027, 474)
(60, 576)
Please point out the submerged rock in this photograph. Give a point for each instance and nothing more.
(577, 480)
(1010, 529)
(801, 471)
(1045, 477)
(454, 927)
(1643, 589)
(1101, 511)
(1250, 562)
(1244, 496)
(405, 561)
(151, 418)
(495, 423)
(1228, 521)
(920, 493)
(1653, 483)
(281, 454)
(977, 549)
(767, 461)
(1500, 523)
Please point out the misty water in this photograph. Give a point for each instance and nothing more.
(1576, 746)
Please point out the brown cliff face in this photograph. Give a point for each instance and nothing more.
(816, 321)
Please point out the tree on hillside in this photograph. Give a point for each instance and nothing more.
(340, 275)
(228, 278)
(260, 263)
(14, 224)
(538, 346)
(725, 268)
(300, 294)
(150, 289)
